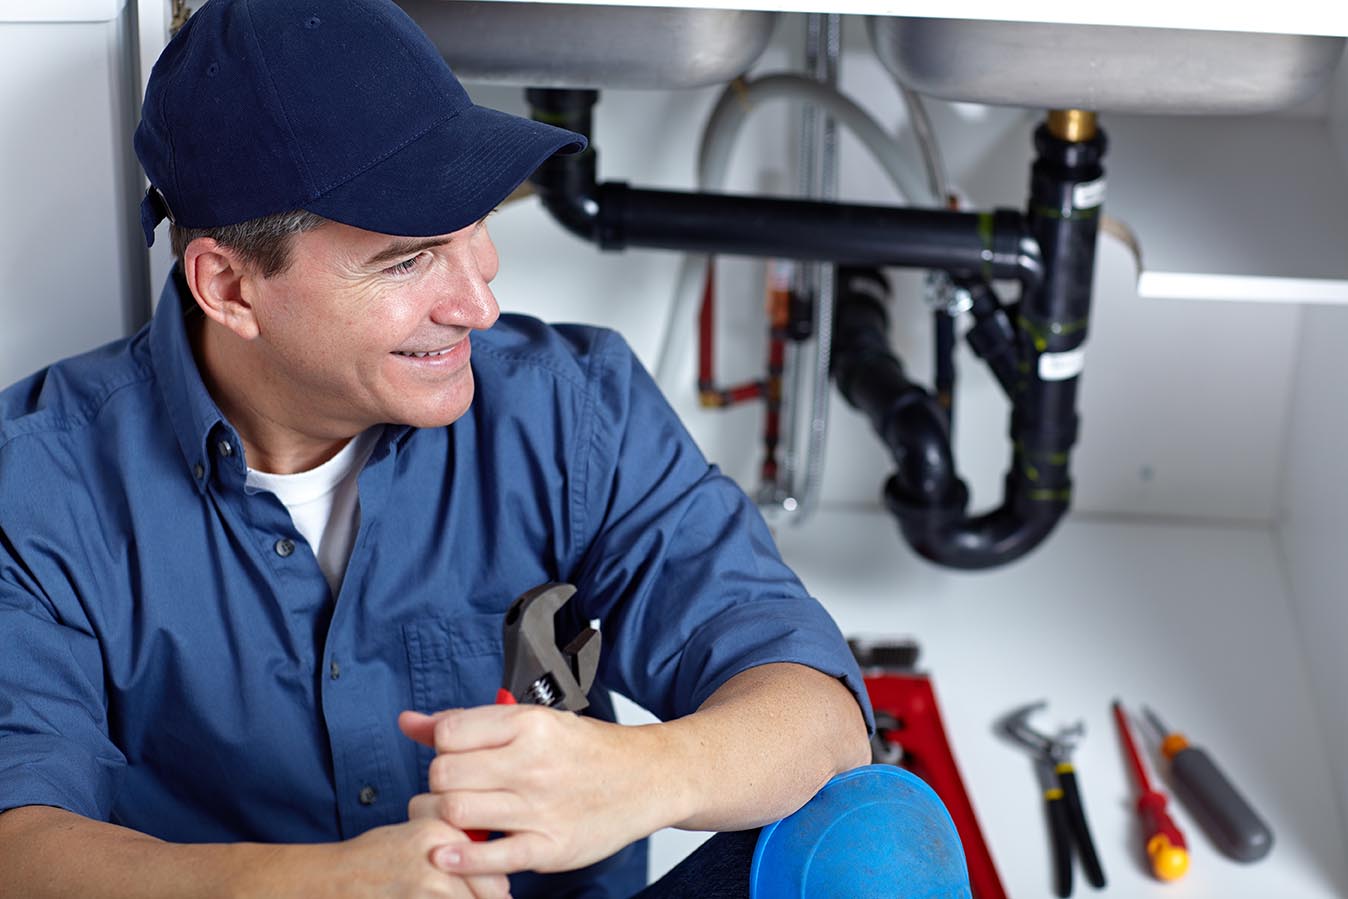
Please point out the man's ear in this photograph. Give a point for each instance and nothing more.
(220, 283)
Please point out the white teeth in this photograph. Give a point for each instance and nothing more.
(423, 355)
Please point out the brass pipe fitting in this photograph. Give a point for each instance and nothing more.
(1074, 125)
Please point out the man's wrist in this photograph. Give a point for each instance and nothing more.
(652, 789)
(266, 870)
(676, 765)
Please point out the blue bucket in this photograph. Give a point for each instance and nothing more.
(877, 832)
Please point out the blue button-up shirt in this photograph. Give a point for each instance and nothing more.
(173, 660)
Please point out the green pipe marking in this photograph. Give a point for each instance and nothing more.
(1050, 496)
(1036, 335)
(1040, 335)
(1057, 458)
(985, 233)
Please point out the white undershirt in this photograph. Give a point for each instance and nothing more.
(323, 503)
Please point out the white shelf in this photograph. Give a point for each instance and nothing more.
(1223, 207)
(1292, 17)
(1194, 621)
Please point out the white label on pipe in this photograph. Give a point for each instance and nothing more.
(1061, 366)
(1088, 194)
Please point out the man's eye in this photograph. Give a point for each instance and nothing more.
(404, 267)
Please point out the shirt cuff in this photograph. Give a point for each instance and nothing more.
(40, 769)
(766, 631)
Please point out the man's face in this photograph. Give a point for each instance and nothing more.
(346, 330)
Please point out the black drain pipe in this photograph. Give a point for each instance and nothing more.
(980, 246)
(924, 494)
(1036, 360)
(911, 422)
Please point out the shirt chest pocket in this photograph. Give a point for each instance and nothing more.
(453, 663)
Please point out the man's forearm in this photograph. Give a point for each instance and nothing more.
(763, 744)
(52, 852)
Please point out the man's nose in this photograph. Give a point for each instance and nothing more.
(466, 302)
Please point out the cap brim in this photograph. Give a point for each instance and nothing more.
(450, 177)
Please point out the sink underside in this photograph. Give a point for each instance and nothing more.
(1046, 66)
(568, 45)
(1104, 68)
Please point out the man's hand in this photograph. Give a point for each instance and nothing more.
(566, 790)
(395, 861)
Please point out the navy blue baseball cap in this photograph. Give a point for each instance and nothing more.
(341, 107)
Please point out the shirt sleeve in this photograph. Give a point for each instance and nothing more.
(680, 567)
(54, 744)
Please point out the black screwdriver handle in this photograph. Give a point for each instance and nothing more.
(1081, 831)
(1060, 833)
(1229, 819)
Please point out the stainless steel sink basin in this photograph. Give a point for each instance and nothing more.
(1104, 68)
(565, 45)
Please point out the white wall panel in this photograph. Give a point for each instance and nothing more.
(64, 266)
(1315, 521)
(59, 10)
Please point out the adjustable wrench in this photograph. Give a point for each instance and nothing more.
(536, 671)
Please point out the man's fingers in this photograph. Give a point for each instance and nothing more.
(508, 854)
(488, 886)
(484, 727)
(424, 805)
(455, 730)
(420, 727)
(497, 810)
(483, 769)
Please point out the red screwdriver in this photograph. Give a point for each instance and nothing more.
(1165, 844)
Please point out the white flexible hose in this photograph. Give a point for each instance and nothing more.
(920, 122)
(727, 117)
(718, 139)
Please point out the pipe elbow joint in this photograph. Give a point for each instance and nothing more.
(944, 535)
(1016, 252)
(577, 213)
(927, 523)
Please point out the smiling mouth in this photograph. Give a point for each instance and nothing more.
(422, 355)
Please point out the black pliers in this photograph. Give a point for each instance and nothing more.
(1058, 779)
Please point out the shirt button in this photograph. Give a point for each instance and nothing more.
(225, 448)
(368, 795)
(198, 471)
(284, 547)
(334, 670)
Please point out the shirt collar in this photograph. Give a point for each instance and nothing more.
(196, 420)
(200, 427)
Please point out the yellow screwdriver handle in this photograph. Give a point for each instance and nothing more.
(1168, 861)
